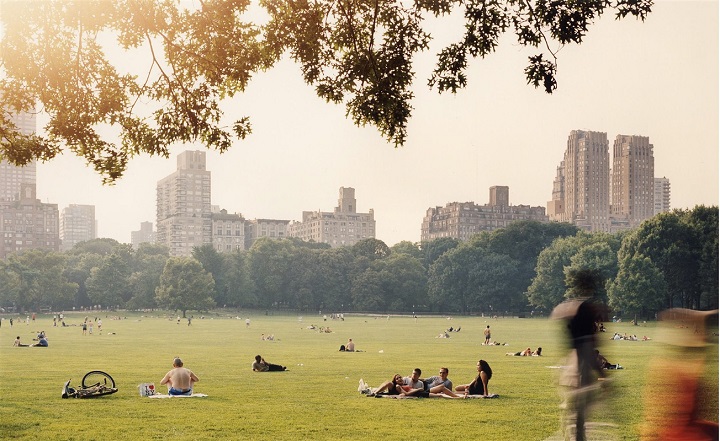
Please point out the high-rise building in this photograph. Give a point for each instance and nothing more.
(584, 194)
(144, 235)
(27, 223)
(583, 182)
(341, 227)
(462, 220)
(661, 195)
(555, 207)
(183, 205)
(12, 176)
(228, 231)
(633, 177)
(77, 224)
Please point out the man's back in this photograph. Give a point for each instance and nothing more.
(181, 378)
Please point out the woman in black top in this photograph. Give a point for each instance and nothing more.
(479, 386)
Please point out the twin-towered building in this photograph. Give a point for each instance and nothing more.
(590, 194)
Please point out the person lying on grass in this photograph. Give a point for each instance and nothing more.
(392, 387)
(437, 386)
(260, 365)
(526, 353)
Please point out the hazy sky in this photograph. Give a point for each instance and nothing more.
(657, 79)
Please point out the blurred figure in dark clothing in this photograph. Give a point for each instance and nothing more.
(582, 371)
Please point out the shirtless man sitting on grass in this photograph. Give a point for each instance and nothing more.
(180, 380)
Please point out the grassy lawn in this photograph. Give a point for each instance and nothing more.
(317, 399)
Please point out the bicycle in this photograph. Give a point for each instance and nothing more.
(94, 384)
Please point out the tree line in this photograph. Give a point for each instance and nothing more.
(670, 260)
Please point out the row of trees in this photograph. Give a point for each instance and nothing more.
(670, 260)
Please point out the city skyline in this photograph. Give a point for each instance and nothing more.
(627, 78)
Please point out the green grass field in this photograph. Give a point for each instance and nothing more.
(317, 399)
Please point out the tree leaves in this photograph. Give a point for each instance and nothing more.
(541, 72)
(355, 52)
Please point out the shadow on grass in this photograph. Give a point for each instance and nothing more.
(16, 430)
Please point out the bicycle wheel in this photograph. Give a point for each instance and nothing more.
(98, 378)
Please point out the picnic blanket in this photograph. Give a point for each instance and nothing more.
(404, 397)
(177, 396)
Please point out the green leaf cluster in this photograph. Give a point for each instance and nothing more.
(188, 58)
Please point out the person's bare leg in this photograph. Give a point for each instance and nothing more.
(441, 389)
(383, 387)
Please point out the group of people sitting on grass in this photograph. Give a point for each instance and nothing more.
(437, 386)
(41, 341)
(618, 336)
(527, 353)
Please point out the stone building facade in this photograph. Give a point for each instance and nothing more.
(341, 227)
(462, 220)
(27, 223)
(228, 231)
(257, 228)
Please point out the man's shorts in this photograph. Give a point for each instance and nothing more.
(173, 391)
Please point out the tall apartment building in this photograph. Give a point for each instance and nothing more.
(633, 179)
(77, 224)
(584, 194)
(228, 231)
(661, 198)
(257, 228)
(556, 206)
(183, 205)
(582, 198)
(341, 227)
(12, 176)
(462, 220)
(27, 223)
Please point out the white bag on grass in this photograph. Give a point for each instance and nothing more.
(147, 389)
